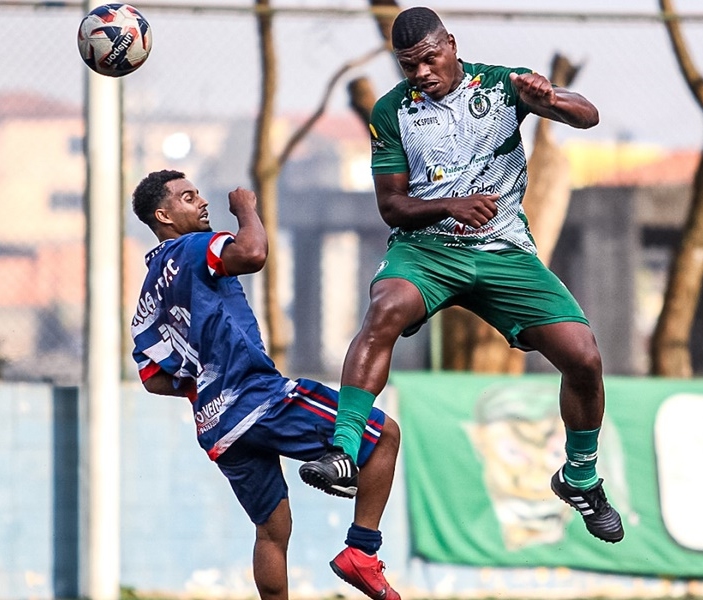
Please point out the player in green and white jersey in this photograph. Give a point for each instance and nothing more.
(450, 175)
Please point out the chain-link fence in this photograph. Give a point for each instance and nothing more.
(192, 107)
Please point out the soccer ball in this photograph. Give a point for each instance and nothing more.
(114, 39)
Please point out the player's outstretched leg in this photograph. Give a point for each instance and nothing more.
(601, 519)
(334, 473)
(364, 572)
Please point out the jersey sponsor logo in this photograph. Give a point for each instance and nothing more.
(479, 105)
(209, 415)
(434, 172)
(426, 121)
(466, 230)
(147, 305)
(439, 172)
(377, 145)
(382, 265)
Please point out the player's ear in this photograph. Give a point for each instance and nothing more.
(451, 40)
(162, 217)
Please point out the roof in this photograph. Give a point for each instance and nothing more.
(634, 165)
(678, 167)
(31, 105)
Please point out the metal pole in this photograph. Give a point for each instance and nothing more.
(100, 552)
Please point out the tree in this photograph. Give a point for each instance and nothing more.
(361, 94)
(267, 165)
(670, 349)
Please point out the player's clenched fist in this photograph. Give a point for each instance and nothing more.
(475, 210)
(534, 88)
(241, 198)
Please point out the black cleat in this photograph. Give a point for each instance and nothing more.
(601, 519)
(334, 473)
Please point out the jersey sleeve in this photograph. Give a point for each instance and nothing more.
(521, 107)
(147, 368)
(217, 243)
(387, 154)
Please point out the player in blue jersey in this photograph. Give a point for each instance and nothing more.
(196, 336)
(450, 174)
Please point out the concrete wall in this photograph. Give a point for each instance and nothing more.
(183, 533)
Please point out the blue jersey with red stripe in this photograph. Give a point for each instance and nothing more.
(193, 321)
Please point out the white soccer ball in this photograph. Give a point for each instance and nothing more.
(114, 39)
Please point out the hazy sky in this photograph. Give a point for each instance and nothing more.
(208, 63)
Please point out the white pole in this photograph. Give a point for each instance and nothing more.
(100, 553)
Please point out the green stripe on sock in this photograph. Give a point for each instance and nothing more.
(581, 457)
(353, 411)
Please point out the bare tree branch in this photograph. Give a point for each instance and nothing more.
(307, 126)
(361, 98)
(683, 56)
(671, 339)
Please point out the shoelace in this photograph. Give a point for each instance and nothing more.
(596, 498)
(378, 570)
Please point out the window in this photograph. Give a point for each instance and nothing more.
(75, 144)
(66, 201)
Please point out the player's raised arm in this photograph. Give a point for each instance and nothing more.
(553, 102)
(249, 251)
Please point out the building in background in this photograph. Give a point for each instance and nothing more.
(618, 239)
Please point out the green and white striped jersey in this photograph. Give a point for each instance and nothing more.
(468, 142)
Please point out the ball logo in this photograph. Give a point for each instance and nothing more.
(119, 49)
(479, 105)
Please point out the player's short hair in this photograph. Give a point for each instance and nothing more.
(149, 194)
(413, 25)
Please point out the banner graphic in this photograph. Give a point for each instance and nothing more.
(480, 450)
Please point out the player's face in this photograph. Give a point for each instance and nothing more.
(184, 208)
(431, 65)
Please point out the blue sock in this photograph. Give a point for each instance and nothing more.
(366, 540)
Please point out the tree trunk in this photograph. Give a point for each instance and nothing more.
(670, 348)
(361, 98)
(264, 171)
(385, 17)
(266, 167)
(468, 342)
(671, 355)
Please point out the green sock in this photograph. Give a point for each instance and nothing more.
(581, 456)
(353, 411)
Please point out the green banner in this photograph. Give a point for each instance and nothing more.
(479, 452)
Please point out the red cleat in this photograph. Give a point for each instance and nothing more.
(364, 572)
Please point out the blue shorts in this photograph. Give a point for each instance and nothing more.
(298, 428)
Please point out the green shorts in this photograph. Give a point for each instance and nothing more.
(509, 289)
